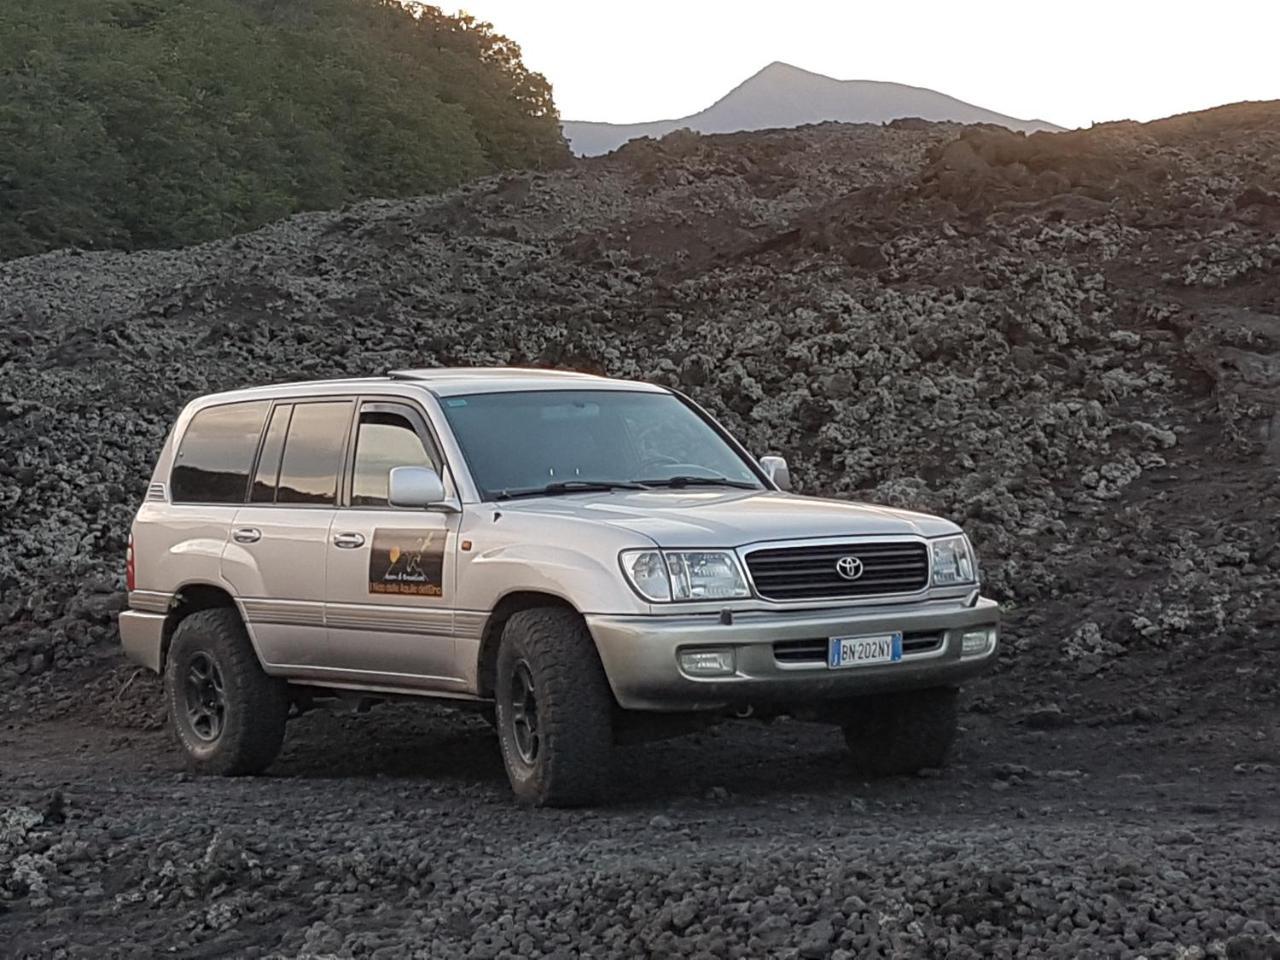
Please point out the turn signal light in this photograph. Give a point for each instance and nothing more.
(130, 577)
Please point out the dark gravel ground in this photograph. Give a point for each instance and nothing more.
(1054, 833)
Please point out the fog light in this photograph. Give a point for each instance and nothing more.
(707, 663)
(977, 643)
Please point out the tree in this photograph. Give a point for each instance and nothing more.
(130, 123)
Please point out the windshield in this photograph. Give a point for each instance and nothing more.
(567, 441)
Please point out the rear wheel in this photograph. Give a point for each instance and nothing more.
(900, 733)
(227, 714)
(554, 709)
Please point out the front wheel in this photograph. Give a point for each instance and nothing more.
(227, 714)
(900, 733)
(554, 709)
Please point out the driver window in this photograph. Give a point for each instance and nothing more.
(384, 440)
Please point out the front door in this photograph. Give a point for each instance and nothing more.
(275, 555)
(390, 571)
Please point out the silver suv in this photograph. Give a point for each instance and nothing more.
(585, 559)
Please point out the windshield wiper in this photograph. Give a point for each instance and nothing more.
(686, 481)
(571, 486)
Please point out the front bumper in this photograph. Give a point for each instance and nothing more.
(640, 654)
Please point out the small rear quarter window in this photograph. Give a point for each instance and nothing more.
(216, 454)
(264, 484)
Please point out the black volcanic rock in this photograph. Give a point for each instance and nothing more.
(1068, 345)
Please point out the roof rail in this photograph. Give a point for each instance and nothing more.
(432, 373)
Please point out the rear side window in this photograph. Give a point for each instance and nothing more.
(216, 453)
(313, 453)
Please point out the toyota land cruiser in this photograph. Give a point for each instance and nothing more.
(574, 552)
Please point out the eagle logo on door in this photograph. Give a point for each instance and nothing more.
(407, 562)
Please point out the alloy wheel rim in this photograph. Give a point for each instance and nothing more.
(524, 713)
(206, 701)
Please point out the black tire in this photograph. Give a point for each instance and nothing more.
(231, 722)
(550, 651)
(900, 733)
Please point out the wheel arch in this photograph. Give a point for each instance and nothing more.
(188, 599)
(509, 604)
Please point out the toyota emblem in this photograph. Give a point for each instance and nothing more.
(850, 568)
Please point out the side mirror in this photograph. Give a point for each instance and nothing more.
(414, 487)
(775, 468)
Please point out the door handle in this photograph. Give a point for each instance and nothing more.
(348, 541)
(246, 535)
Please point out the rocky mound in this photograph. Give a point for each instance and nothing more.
(1070, 343)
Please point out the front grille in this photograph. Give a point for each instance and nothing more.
(805, 573)
(815, 651)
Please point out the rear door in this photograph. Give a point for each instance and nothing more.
(391, 570)
(276, 555)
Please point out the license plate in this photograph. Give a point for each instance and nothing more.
(864, 651)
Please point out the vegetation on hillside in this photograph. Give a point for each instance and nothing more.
(151, 123)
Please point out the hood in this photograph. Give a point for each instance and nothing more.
(732, 518)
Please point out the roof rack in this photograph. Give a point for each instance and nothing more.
(443, 373)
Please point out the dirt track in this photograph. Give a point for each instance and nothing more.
(392, 834)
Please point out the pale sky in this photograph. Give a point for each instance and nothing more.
(1071, 63)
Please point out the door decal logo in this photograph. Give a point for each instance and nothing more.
(407, 562)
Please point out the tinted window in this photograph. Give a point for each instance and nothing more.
(216, 454)
(313, 453)
(524, 440)
(264, 482)
(384, 440)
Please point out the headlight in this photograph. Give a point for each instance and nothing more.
(953, 562)
(672, 575)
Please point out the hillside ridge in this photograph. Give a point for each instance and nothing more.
(1065, 342)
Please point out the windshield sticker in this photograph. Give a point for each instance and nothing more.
(407, 562)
